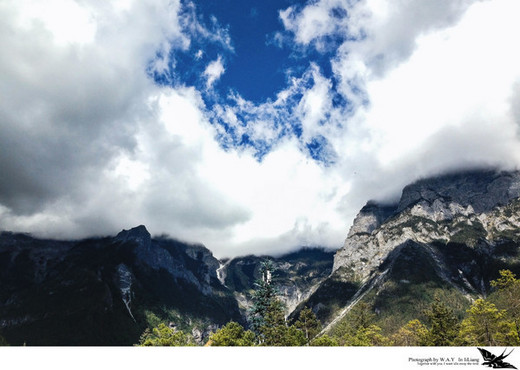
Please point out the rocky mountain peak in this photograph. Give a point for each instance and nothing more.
(483, 190)
(457, 207)
(138, 235)
(371, 216)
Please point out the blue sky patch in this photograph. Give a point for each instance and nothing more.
(260, 59)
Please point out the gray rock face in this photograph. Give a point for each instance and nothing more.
(204, 255)
(292, 295)
(461, 207)
(371, 216)
(125, 286)
(482, 190)
(200, 336)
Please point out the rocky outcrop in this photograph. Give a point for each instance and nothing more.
(481, 190)
(204, 255)
(371, 216)
(125, 281)
(143, 241)
(463, 207)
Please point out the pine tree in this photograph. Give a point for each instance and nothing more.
(264, 298)
(362, 316)
(267, 314)
(358, 329)
(486, 326)
(308, 324)
(506, 280)
(508, 298)
(232, 334)
(444, 326)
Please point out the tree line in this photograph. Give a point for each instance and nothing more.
(491, 321)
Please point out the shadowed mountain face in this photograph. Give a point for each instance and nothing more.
(106, 291)
(448, 236)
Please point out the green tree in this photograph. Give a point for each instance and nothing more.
(267, 314)
(162, 335)
(486, 326)
(508, 298)
(232, 334)
(358, 329)
(369, 336)
(361, 316)
(443, 324)
(414, 333)
(283, 335)
(3, 342)
(324, 341)
(506, 280)
(308, 323)
(264, 298)
(276, 332)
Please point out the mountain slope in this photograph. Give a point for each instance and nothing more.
(448, 236)
(296, 275)
(107, 291)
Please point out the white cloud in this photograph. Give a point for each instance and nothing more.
(458, 76)
(66, 21)
(314, 105)
(430, 88)
(103, 149)
(316, 21)
(90, 145)
(213, 71)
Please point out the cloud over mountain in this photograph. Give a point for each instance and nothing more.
(107, 119)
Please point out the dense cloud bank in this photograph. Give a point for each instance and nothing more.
(90, 143)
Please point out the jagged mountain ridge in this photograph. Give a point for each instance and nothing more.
(106, 291)
(461, 228)
(435, 209)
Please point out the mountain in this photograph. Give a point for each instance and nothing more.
(107, 291)
(296, 275)
(447, 237)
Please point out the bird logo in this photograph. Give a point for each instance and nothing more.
(495, 361)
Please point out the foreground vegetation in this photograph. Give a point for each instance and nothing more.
(493, 321)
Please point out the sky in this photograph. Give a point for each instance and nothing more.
(248, 126)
